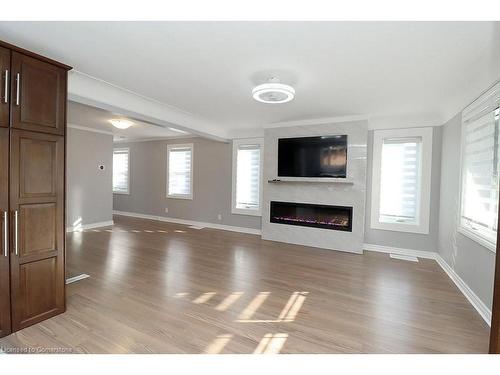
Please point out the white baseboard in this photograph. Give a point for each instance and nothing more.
(400, 251)
(474, 300)
(481, 308)
(79, 228)
(190, 222)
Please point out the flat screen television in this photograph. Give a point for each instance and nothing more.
(324, 156)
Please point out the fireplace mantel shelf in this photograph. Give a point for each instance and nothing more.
(311, 179)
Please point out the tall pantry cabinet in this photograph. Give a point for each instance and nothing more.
(33, 94)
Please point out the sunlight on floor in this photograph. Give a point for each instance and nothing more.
(218, 344)
(254, 305)
(271, 344)
(293, 306)
(228, 301)
(77, 225)
(287, 314)
(205, 297)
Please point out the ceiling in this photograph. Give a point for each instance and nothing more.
(396, 72)
(97, 119)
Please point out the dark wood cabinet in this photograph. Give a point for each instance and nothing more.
(4, 237)
(32, 179)
(36, 201)
(4, 86)
(38, 102)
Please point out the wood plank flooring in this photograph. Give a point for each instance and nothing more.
(165, 288)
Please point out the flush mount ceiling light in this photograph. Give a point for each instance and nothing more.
(121, 124)
(273, 92)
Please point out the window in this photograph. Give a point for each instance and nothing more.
(180, 171)
(247, 176)
(121, 171)
(401, 180)
(480, 169)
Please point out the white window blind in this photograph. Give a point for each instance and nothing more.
(180, 164)
(121, 170)
(480, 167)
(400, 180)
(248, 177)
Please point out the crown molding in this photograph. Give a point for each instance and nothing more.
(404, 122)
(317, 121)
(134, 140)
(88, 129)
(246, 133)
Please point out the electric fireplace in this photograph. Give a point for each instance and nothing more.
(312, 215)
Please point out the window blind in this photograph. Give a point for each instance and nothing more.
(179, 171)
(121, 171)
(480, 166)
(248, 177)
(400, 180)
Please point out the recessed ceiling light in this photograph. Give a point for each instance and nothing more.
(121, 124)
(273, 92)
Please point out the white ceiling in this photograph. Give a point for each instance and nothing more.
(97, 119)
(403, 73)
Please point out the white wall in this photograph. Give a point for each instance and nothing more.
(318, 193)
(89, 191)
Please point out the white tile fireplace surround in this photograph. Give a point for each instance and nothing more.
(350, 194)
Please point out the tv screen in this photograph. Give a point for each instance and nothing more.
(313, 156)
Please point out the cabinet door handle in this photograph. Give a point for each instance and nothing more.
(6, 97)
(18, 88)
(16, 249)
(5, 234)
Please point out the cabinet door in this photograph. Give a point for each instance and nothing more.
(4, 245)
(37, 237)
(4, 86)
(38, 100)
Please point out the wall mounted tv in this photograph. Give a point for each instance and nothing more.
(313, 156)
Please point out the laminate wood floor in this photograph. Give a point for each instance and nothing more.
(165, 288)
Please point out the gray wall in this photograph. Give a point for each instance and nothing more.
(212, 171)
(89, 190)
(474, 263)
(425, 242)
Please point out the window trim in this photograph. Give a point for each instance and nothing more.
(488, 101)
(128, 170)
(176, 146)
(425, 183)
(474, 236)
(236, 144)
